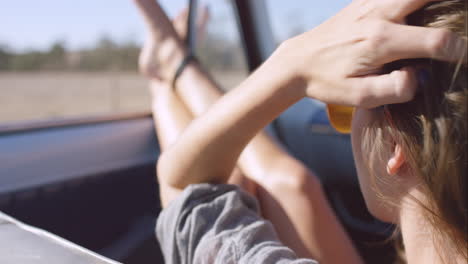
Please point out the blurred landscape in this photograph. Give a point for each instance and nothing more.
(54, 64)
(60, 83)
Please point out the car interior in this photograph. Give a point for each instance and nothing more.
(92, 181)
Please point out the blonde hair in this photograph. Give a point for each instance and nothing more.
(432, 130)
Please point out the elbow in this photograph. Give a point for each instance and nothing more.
(290, 174)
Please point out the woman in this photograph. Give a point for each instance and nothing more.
(264, 164)
(342, 62)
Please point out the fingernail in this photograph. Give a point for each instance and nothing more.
(423, 77)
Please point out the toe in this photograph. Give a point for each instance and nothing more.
(180, 23)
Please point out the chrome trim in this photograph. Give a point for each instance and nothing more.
(46, 157)
(30, 126)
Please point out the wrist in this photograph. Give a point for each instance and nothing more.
(285, 67)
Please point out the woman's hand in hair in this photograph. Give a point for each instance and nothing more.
(341, 60)
(338, 62)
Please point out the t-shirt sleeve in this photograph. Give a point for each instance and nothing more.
(219, 224)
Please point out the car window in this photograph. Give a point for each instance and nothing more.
(66, 59)
(62, 59)
(220, 49)
(289, 19)
(219, 46)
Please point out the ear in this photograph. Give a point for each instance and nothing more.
(396, 161)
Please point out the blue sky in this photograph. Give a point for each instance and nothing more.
(35, 24)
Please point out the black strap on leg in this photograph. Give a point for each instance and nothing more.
(187, 59)
(190, 40)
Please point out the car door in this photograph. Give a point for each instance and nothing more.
(89, 176)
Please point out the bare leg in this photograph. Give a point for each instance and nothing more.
(289, 194)
(170, 114)
(291, 197)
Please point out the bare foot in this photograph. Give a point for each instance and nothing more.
(163, 50)
(180, 23)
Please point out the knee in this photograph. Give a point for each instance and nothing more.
(289, 174)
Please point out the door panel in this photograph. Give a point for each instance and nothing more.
(93, 184)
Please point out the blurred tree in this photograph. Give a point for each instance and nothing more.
(55, 58)
(219, 53)
(100, 57)
(108, 55)
(127, 57)
(28, 61)
(5, 58)
(216, 52)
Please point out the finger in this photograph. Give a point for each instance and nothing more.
(410, 42)
(398, 10)
(396, 87)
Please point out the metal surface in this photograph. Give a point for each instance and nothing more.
(29, 126)
(257, 34)
(44, 157)
(191, 40)
(21, 243)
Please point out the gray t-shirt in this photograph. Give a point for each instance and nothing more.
(219, 224)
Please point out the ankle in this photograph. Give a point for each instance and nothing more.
(171, 57)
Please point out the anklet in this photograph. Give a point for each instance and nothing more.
(190, 57)
(190, 41)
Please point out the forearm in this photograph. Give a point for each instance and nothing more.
(334, 66)
(210, 147)
(262, 152)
